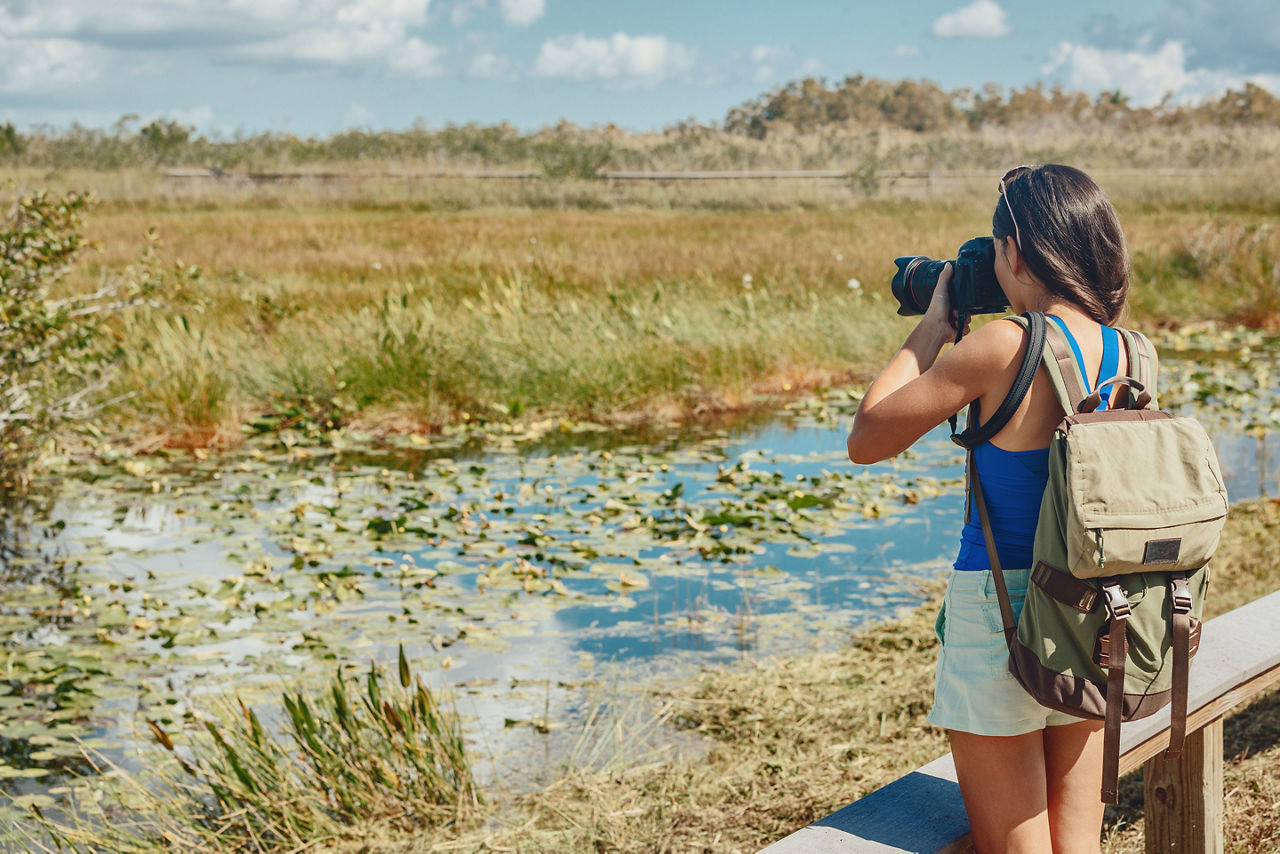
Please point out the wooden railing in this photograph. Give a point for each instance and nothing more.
(836, 175)
(1239, 659)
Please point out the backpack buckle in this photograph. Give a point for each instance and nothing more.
(1182, 600)
(1117, 603)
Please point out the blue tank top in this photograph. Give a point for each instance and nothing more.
(1013, 481)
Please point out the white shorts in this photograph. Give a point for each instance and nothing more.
(974, 690)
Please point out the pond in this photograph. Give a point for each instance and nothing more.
(528, 573)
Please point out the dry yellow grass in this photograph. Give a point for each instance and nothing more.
(394, 314)
(794, 739)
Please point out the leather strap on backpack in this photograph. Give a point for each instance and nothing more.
(997, 572)
(1068, 383)
(1182, 602)
(1141, 360)
(1117, 653)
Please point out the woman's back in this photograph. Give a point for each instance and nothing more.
(1033, 424)
(1015, 479)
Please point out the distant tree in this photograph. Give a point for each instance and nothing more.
(1111, 105)
(859, 101)
(988, 107)
(919, 106)
(10, 141)
(162, 138)
(1250, 105)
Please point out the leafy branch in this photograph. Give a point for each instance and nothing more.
(52, 364)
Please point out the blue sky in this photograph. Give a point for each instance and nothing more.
(318, 66)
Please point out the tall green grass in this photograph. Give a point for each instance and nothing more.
(381, 755)
(513, 349)
(390, 316)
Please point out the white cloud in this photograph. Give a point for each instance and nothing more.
(1241, 34)
(358, 115)
(336, 34)
(416, 58)
(766, 58)
(768, 53)
(42, 66)
(236, 20)
(812, 67)
(621, 58)
(1146, 76)
(980, 19)
(350, 49)
(353, 34)
(522, 13)
(488, 66)
(463, 10)
(200, 118)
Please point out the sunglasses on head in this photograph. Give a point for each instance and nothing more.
(1004, 182)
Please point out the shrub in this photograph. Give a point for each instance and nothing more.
(51, 363)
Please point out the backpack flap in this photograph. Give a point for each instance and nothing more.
(1144, 493)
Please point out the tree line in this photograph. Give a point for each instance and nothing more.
(923, 106)
(855, 105)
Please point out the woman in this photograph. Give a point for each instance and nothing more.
(1030, 776)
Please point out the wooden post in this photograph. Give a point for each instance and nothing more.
(1183, 811)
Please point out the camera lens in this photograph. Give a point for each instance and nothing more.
(914, 283)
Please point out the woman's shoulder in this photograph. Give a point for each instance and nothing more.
(995, 344)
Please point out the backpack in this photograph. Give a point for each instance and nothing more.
(1131, 514)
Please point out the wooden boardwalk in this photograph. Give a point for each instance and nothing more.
(1239, 659)
(662, 176)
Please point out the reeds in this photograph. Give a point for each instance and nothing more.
(629, 315)
(383, 754)
(379, 304)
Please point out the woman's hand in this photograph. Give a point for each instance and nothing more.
(940, 316)
(920, 388)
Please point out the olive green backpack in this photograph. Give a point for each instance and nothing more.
(1132, 512)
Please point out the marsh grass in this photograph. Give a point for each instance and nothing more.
(385, 754)
(390, 316)
(406, 304)
(793, 739)
(626, 316)
(778, 742)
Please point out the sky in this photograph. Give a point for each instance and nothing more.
(315, 67)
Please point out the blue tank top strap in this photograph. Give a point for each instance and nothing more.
(1110, 364)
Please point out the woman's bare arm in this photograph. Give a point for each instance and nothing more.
(917, 390)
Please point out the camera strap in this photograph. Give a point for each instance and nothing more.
(962, 320)
(973, 435)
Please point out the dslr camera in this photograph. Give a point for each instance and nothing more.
(973, 289)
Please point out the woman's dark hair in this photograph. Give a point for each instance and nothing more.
(1070, 237)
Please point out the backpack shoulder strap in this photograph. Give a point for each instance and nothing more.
(1059, 362)
(973, 435)
(1141, 361)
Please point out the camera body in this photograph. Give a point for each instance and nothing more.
(974, 288)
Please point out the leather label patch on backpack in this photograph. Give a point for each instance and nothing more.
(1162, 551)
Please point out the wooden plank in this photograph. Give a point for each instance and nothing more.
(1239, 659)
(921, 812)
(1183, 797)
(725, 175)
(1156, 728)
(277, 177)
(631, 175)
(191, 173)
